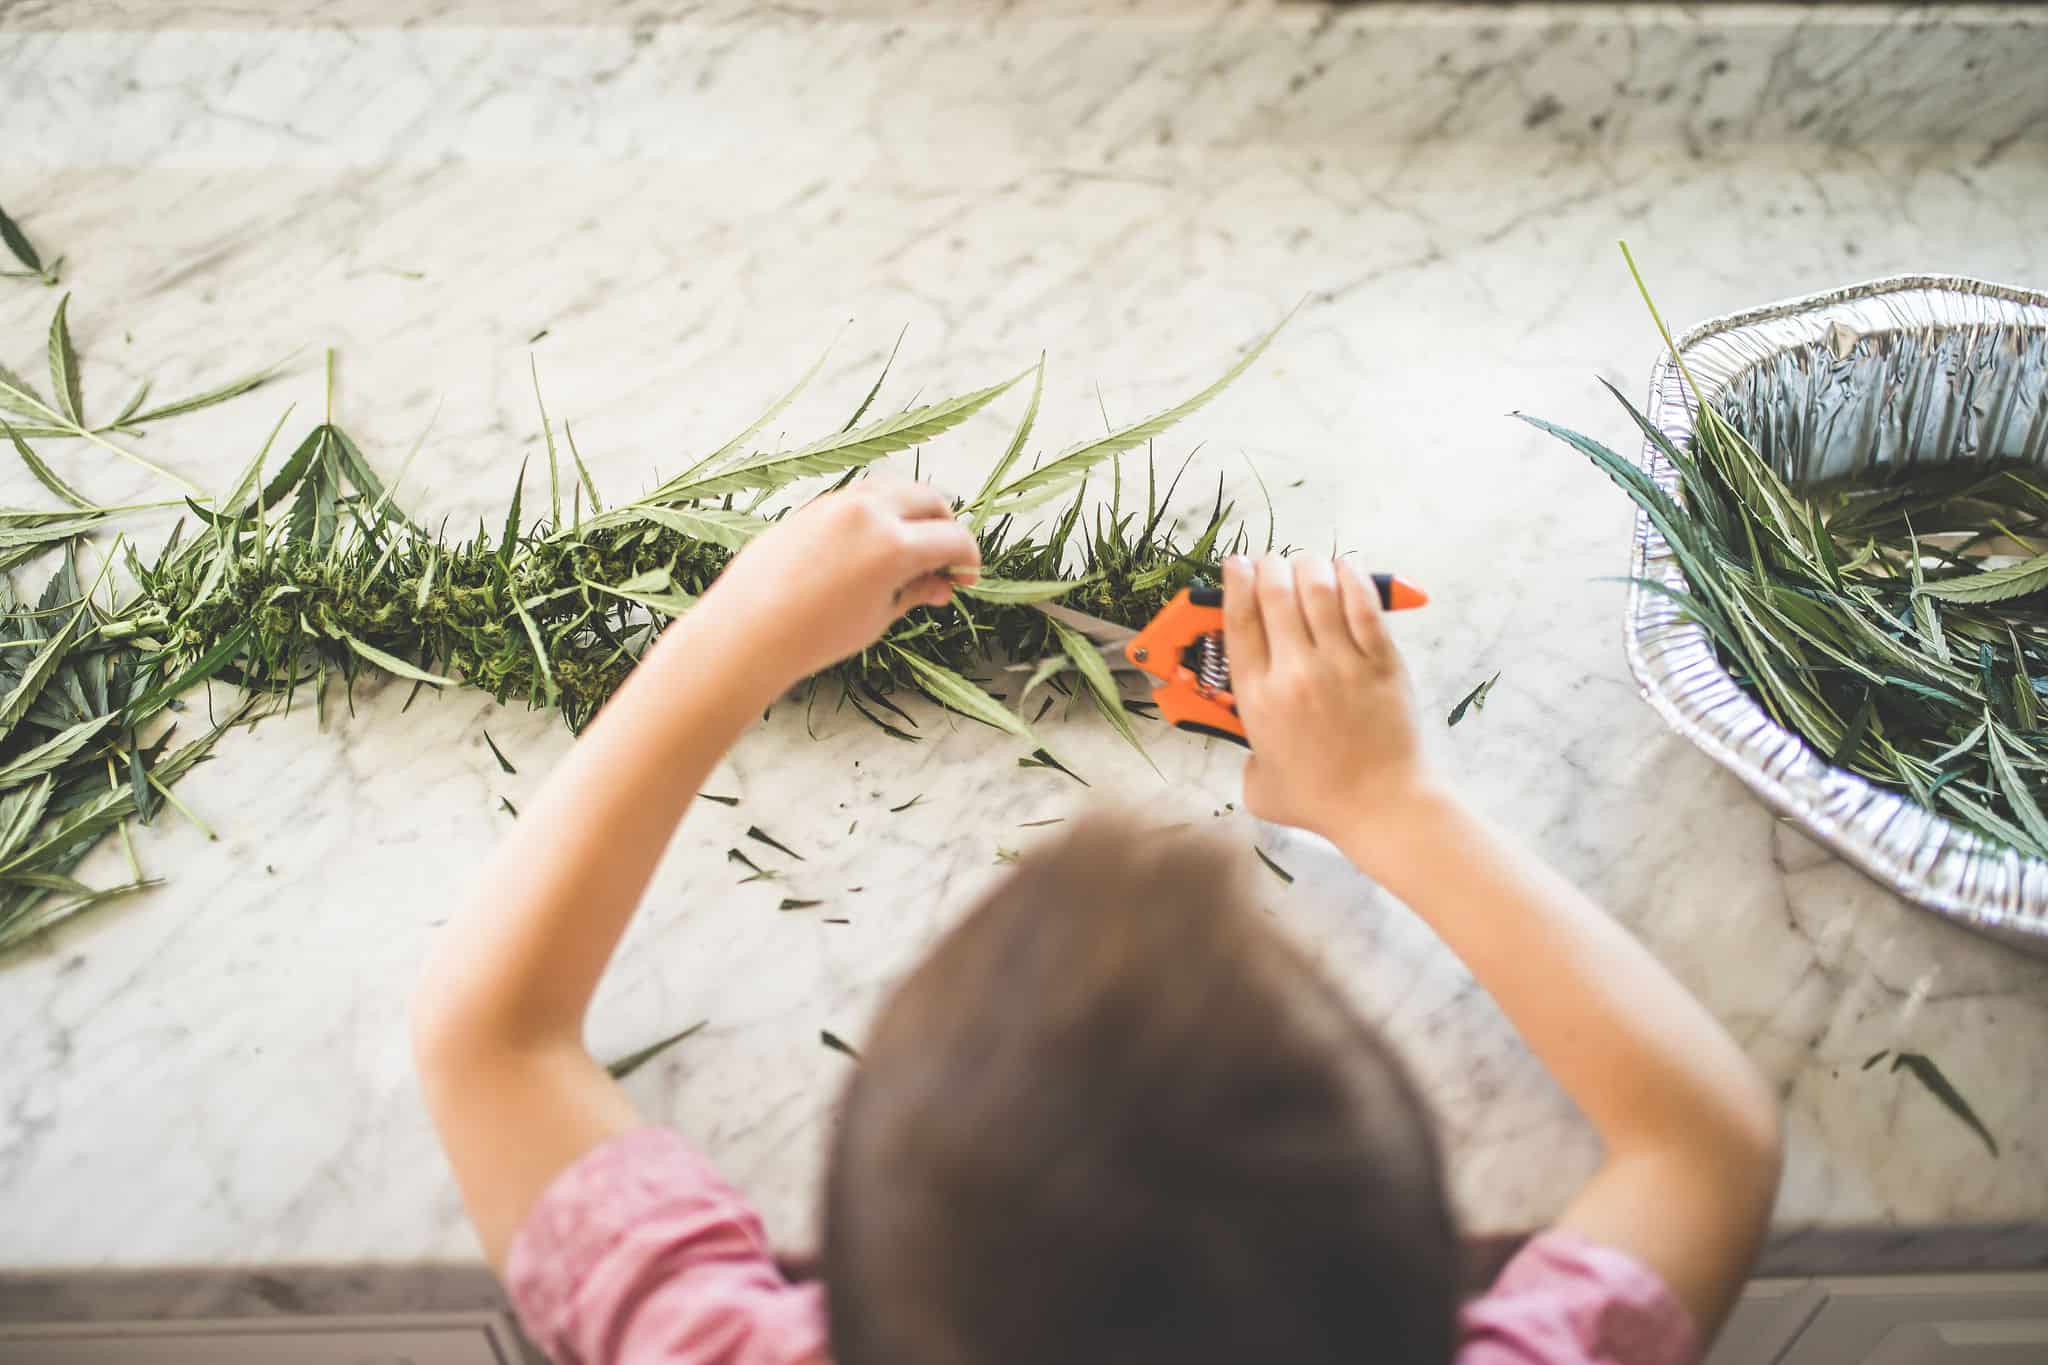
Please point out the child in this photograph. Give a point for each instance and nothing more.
(1116, 1116)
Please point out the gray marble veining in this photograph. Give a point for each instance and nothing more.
(691, 205)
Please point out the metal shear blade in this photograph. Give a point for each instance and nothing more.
(1109, 637)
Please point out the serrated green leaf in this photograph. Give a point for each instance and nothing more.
(583, 473)
(1992, 585)
(19, 397)
(876, 387)
(294, 469)
(199, 670)
(232, 389)
(1069, 466)
(979, 506)
(2015, 789)
(245, 483)
(20, 927)
(1845, 752)
(1046, 670)
(325, 490)
(509, 541)
(357, 468)
(45, 664)
(18, 243)
(547, 432)
(1018, 591)
(46, 528)
(668, 603)
(540, 651)
(134, 404)
(956, 693)
(712, 461)
(51, 753)
(391, 663)
(1989, 822)
(44, 475)
(713, 524)
(844, 450)
(20, 812)
(1102, 688)
(64, 365)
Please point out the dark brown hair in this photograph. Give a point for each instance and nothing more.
(1116, 1116)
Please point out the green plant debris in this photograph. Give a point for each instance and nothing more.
(1875, 621)
(1040, 824)
(24, 251)
(762, 836)
(1044, 759)
(791, 903)
(308, 572)
(721, 800)
(1475, 700)
(1922, 1069)
(1874, 1058)
(758, 873)
(62, 415)
(1282, 873)
(1006, 855)
(499, 754)
(633, 1061)
(837, 1044)
(505, 803)
(898, 810)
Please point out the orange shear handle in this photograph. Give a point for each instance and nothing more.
(1165, 649)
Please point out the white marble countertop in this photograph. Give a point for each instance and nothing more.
(692, 204)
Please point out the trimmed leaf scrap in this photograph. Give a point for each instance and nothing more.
(1881, 623)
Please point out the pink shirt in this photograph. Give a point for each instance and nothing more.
(639, 1254)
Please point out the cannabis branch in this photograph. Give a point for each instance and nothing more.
(308, 569)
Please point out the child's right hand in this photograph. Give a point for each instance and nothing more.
(1322, 693)
(829, 579)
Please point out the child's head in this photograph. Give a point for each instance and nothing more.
(1117, 1117)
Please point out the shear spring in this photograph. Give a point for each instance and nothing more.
(1212, 665)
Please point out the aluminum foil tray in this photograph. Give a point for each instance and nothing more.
(1865, 381)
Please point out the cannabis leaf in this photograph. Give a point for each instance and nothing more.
(1992, 585)
(843, 450)
(1922, 1069)
(1070, 466)
(1102, 688)
(1475, 700)
(633, 1061)
(22, 250)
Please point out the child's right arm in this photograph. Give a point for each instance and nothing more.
(1690, 1128)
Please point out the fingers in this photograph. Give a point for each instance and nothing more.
(929, 546)
(912, 501)
(932, 590)
(1315, 585)
(1362, 610)
(1241, 624)
(1280, 608)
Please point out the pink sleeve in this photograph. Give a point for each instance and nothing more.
(639, 1254)
(1565, 1301)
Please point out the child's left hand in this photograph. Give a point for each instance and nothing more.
(827, 580)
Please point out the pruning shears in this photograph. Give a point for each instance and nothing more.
(1181, 650)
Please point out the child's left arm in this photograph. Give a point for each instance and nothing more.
(498, 1023)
